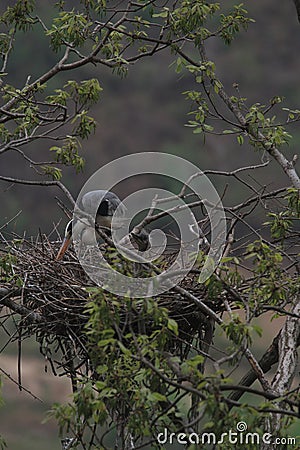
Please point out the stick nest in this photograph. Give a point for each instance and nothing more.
(51, 298)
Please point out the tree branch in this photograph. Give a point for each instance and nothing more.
(273, 151)
(5, 300)
(59, 184)
(297, 4)
(270, 357)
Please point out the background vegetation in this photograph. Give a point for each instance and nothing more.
(146, 110)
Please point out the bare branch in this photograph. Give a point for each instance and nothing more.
(60, 185)
(297, 4)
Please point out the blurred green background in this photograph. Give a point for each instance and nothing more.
(146, 111)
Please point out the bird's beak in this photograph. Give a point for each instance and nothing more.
(65, 244)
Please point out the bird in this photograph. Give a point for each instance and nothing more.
(105, 203)
(141, 239)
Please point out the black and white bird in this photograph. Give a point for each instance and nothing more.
(106, 204)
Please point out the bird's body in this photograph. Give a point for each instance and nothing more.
(105, 204)
(84, 230)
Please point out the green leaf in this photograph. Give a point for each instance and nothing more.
(240, 139)
(124, 349)
(173, 326)
(158, 396)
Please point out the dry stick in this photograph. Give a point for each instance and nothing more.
(258, 370)
(5, 300)
(23, 388)
(265, 394)
(283, 311)
(202, 306)
(19, 360)
(59, 184)
(148, 219)
(11, 220)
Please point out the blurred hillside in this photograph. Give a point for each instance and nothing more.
(147, 111)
